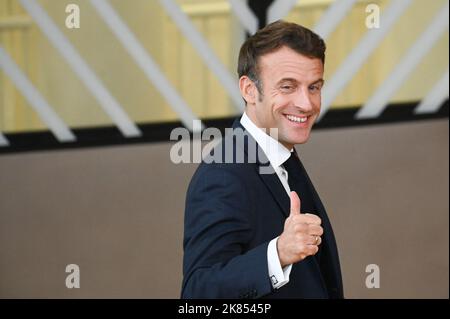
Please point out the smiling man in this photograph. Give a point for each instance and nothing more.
(249, 234)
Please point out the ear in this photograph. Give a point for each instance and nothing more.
(248, 89)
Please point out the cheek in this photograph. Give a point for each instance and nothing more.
(279, 104)
(317, 100)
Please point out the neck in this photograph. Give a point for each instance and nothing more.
(252, 116)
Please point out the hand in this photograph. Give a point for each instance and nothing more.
(301, 235)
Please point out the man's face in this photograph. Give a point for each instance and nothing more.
(291, 95)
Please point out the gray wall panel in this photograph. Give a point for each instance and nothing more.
(117, 212)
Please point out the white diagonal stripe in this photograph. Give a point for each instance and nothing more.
(35, 99)
(380, 99)
(80, 67)
(204, 51)
(435, 98)
(245, 15)
(360, 53)
(3, 140)
(279, 9)
(144, 61)
(331, 18)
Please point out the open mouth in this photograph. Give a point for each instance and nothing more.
(297, 119)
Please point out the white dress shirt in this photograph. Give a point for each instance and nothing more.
(277, 154)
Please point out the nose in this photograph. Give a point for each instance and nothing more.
(303, 100)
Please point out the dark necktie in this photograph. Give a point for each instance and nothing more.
(297, 182)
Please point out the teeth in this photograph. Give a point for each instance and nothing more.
(296, 119)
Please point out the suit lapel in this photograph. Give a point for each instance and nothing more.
(278, 192)
(266, 172)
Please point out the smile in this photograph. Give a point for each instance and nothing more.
(297, 119)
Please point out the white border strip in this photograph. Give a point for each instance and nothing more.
(360, 53)
(245, 15)
(435, 98)
(144, 61)
(380, 99)
(332, 17)
(80, 67)
(205, 52)
(35, 99)
(279, 9)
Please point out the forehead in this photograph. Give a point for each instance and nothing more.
(285, 62)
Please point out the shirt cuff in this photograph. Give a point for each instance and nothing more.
(278, 276)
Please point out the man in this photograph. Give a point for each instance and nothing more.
(250, 234)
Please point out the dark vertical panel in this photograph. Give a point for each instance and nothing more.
(259, 7)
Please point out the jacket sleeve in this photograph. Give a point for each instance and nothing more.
(218, 261)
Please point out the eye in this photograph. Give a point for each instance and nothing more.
(287, 88)
(315, 88)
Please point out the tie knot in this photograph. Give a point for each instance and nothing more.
(292, 163)
(298, 182)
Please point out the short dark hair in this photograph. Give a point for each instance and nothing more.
(271, 38)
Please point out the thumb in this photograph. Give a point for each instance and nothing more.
(295, 203)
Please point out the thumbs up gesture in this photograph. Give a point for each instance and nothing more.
(301, 235)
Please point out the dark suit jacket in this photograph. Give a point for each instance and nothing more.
(232, 213)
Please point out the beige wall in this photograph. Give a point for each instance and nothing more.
(117, 212)
(180, 62)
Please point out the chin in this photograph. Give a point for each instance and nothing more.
(300, 139)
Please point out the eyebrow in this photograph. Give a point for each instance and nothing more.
(321, 81)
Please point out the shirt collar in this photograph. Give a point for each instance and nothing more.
(276, 152)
